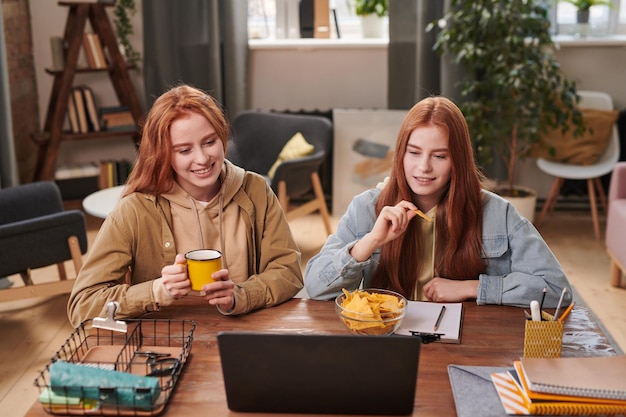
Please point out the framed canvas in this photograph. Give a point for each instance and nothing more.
(364, 141)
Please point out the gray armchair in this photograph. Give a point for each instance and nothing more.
(258, 138)
(36, 231)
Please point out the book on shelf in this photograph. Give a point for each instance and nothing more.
(72, 114)
(93, 51)
(114, 172)
(81, 111)
(89, 54)
(83, 105)
(593, 396)
(58, 52)
(117, 118)
(93, 115)
(421, 317)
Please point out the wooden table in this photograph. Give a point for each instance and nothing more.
(491, 336)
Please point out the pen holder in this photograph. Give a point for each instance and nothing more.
(543, 339)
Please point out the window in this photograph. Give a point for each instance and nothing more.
(622, 17)
(262, 18)
(603, 20)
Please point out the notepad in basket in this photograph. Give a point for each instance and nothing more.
(594, 377)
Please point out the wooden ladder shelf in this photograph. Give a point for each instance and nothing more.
(117, 68)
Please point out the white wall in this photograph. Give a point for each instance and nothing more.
(596, 64)
(318, 75)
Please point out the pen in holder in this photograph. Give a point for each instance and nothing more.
(543, 339)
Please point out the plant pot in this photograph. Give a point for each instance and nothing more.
(582, 23)
(523, 199)
(372, 26)
(582, 16)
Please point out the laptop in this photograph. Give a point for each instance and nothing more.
(320, 374)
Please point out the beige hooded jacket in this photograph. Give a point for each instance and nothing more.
(137, 238)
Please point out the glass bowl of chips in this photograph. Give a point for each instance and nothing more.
(371, 311)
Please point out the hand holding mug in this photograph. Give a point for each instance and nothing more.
(201, 265)
(174, 278)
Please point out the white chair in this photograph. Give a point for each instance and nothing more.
(591, 173)
(616, 224)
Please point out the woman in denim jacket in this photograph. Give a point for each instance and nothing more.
(431, 232)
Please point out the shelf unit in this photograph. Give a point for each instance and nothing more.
(53, 134)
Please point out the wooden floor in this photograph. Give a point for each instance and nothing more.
(32, 330)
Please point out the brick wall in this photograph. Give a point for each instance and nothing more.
(22, 83)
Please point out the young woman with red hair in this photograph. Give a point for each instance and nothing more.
(431, 232)
(183, 195)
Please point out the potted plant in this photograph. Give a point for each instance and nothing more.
(583, 6)
(367, 7)
(123, 12)
(513, 89)
(372, 14)
(582, 12)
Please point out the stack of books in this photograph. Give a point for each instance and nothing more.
(117, 118)
(82, 110)
(114, 173)
(85, 116)
(564, 386)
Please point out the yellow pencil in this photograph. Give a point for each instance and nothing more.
(567, 311)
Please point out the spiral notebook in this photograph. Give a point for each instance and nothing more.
(518, 400)
(595, 377)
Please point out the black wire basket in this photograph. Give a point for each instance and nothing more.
(107, 372)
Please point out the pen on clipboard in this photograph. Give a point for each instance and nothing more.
(438, 322)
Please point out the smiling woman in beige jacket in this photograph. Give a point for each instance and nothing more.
(184, 195)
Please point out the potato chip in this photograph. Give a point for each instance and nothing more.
(369, 311)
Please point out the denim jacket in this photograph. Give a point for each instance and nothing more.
(519, 262)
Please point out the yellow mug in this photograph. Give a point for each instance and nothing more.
(201, 264)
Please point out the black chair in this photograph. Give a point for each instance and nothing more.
(36, 231)
(258, 138)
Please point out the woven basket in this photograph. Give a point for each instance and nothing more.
(543, 339)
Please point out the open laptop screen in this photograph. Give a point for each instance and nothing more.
(322, 374)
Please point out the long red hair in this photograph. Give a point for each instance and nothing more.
(153, 172)
(458, 251)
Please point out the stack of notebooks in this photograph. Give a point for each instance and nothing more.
(564, 386)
